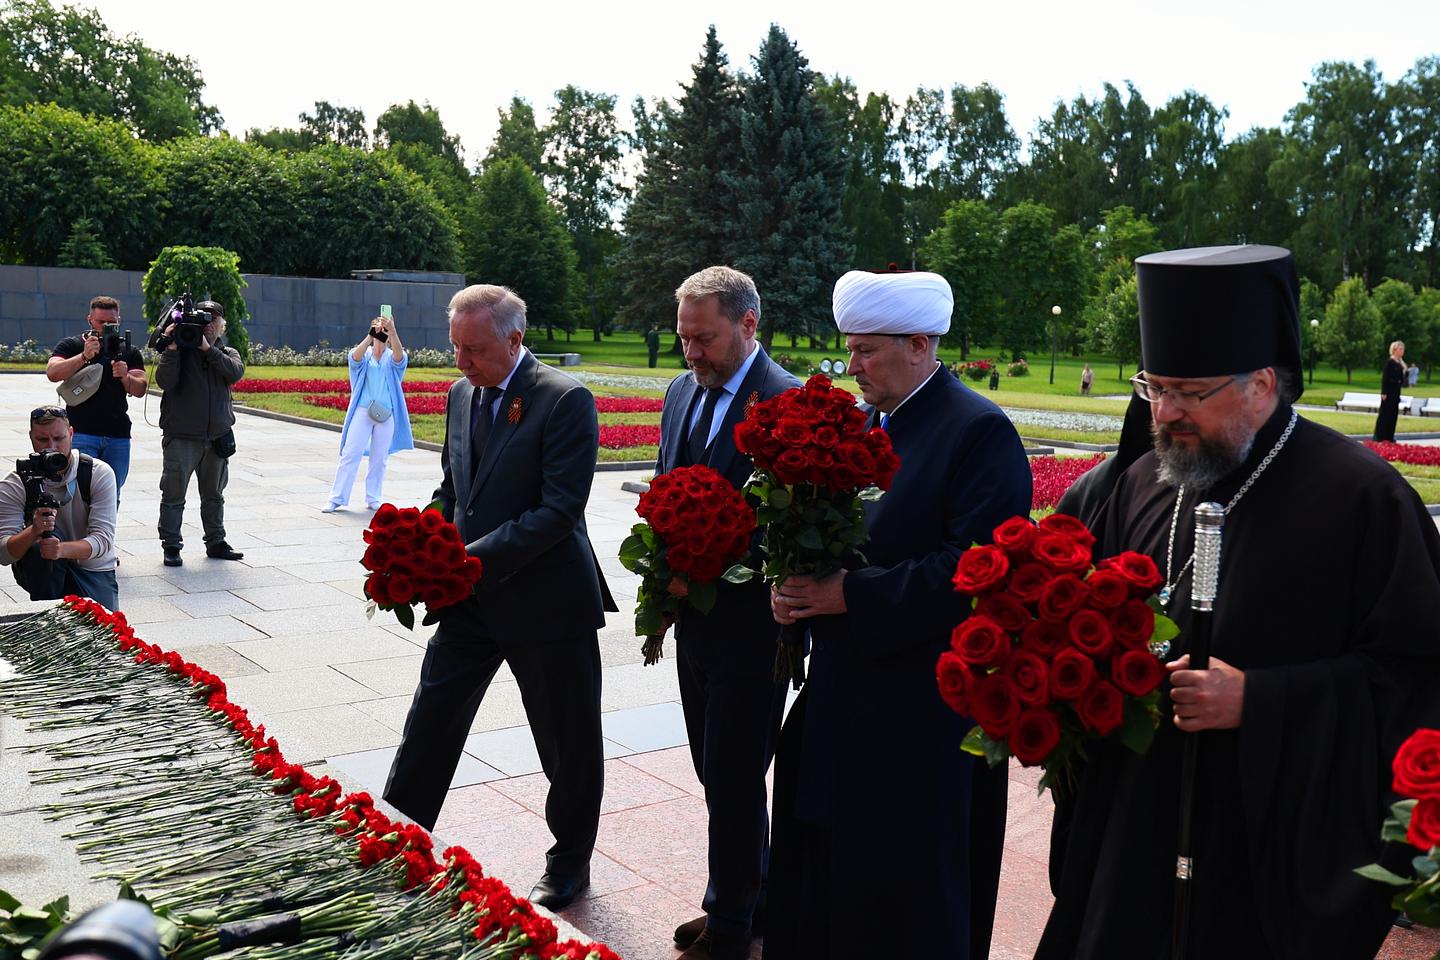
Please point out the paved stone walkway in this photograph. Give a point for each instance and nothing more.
(286, 629)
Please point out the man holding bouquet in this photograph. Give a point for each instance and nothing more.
(726, 657)
(518, 461)
(887, 836)
(1328, 562)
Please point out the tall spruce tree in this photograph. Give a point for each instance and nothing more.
(788, 192)
(682, 218)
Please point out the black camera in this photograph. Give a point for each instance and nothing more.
(34, 471)
(123, 930)
(189, 322)
(378, 332)
(113, 344)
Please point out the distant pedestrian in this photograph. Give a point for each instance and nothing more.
(1412, 375)
(1392, 381)
(1087, 379)
(652, 344)
(377, 422)
(995, 377)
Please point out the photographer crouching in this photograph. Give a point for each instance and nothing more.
(57, 516)
(196, 371)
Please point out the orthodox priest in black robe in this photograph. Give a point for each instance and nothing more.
(887, 838)
(1324, 646)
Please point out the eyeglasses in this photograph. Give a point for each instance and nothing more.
(48, 412)
(1180, 399)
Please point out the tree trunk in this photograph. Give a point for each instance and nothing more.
(793, 343)
(1347, 376)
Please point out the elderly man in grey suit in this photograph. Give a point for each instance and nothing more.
(519, 458)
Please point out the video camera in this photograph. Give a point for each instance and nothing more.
(34, 471)
(113, 345)
(189, 322)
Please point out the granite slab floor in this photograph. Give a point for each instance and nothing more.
(286, 629)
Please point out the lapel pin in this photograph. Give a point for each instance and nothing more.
(513, 414)
(751, 401)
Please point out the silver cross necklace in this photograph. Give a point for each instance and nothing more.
(1171, 585)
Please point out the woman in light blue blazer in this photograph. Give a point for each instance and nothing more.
(376, 422)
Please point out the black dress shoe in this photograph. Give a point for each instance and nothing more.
(689, 931)
(714, 946)
(223, 551)
(172, 557)
(556, 892)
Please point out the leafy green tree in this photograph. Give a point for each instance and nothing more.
(359, 210)
(69, 57)
(1419, 104)
(344, 126)
(1312, 312)
(285, 139)
(965, 250)
(415, 137)
(683, 216)
(1350, 334)
(1112, 317)
(1341, 171)
(788, 189)
(420, 126)
(518, 136)
(981, 148)
(1043, 267)
(207, 273)
(57, 167)
(1427, 307)
(1189, 132)
(84, 248)
(923, 132)
(238, 196)
(582, 166)
(1248, 207)
(519, 241)
(874, 206)
(1123, 236)
(1399, 316)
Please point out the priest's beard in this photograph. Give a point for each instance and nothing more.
(1207, 462)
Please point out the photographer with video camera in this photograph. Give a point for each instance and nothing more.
(96, 372)
(57, 516)
(196, 371)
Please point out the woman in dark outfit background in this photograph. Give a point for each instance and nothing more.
(1392, 381)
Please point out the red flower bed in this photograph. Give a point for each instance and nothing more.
(620, 436)
(628, 405)
(1411, 453)
(332, 386)
(341, 401)
(1054, 475)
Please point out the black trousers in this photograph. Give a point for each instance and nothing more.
(1386, 419)
(560, 686)
(733, 708)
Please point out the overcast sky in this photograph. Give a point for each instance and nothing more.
(266, 61)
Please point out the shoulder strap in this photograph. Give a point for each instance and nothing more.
(83, 473)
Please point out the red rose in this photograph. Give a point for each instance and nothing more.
(1102, 708)
(792, 432)
(955, 681)
(1027, 582)
(385, 516)
(995, 705)
(1045, 638)
(826, 436)
(1137, 569)
(679, 558)
(843, 477)
(1035, 733)
(1071, 674)
(1060, 553)
(1417, 765)
(858, 457)
(1090, 633)
(707, 568)
(791, 465)
(1014, 536)
(402, 589)
(378, 588)
(1062, 596)
(1107, 589)
(980, 569)
(1004, 610)
(431, 521)
(473, 568)
(1424, 829)
(746, 433)
(1068, 526)
(980, 641)
(1137, 672)
(1031, 677)
(376, 557)
(1133, 623)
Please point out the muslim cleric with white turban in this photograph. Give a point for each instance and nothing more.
(876, 631)
(893, 303)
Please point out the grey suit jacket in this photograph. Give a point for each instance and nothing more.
(521, 508)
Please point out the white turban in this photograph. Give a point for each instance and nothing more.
(893, 303)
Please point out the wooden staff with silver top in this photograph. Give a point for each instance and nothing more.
(1209, 522)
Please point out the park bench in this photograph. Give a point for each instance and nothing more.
(1370, 403)
(559, 359)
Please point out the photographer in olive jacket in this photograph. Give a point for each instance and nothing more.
(57, 516)
(197, 431)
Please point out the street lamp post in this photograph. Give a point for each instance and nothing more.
(1314, 332)
(1054, 339)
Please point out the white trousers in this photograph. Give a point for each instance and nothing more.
(363, 429)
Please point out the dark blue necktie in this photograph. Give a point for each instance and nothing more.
(481, 420)
(700, 436)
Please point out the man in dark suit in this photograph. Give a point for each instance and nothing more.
(885, 831)
(725, 658)
(519, 458)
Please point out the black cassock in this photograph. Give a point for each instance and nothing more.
(887, 837)
(1329, 600)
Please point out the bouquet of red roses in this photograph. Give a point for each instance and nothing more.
(696, 528)
(415, 556)
(1057, 651)
(815, 465)
(1416, 821)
